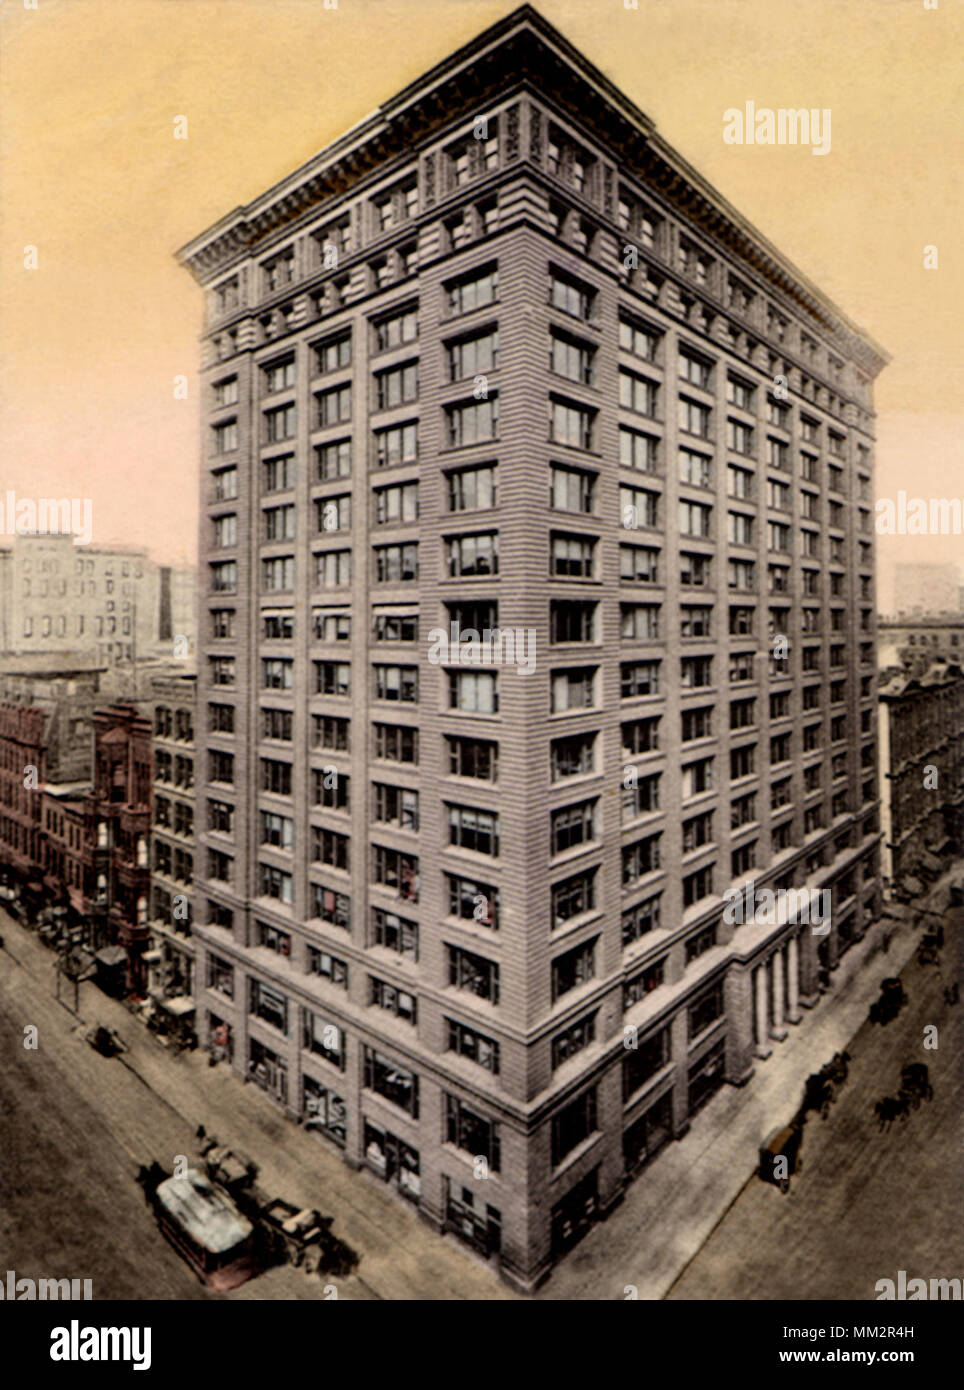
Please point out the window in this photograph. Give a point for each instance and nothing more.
(571, 358)
(472, 421)
(329, 847)
(474, 974)
(276, 673)
(396, 386)
(694, 418)
(640, 798)
(332, 407)
(329, 967)
(740, 393)
(332, 677)
(572, 688)
(640, 858)
(642, 984)
(644, 1061)
(571, 424)
(473, 291)
(472, 901)
(571, 556)
(466, 1042)
(396, 806)
(397, 871)
(332, 460)
(696, 370)
(639, 622)
(474, 829)
(473, 554)
(399, 683)
(639, 678)
(573, 825)
(695, 570)
(640, 919)
(396, 564)
(275, 883)
(471, 488)
(396, 329)
(393, 1082)
(395, 933)
(638, 450)
(638, 339)
(695, 469)
(573, 896)
(638, 393)
(474, 355)
(572, 296)
(474, 692)
(468, 1131)
(573, 1124)
(330, 625)
(475, 758)
(225, 437)
(571, 489)
(576, 967)
(695, 519)
(332, 568)
(638, 508)
(572, 757)
(571, 621)
(707, 1009)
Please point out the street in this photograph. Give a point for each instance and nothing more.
(696, 1224)
(866, 1203)
(75, 1126)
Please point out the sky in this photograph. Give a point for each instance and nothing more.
(94, 333)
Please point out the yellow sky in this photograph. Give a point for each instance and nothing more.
(91, 175)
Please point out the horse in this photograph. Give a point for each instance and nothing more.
(889, 1108)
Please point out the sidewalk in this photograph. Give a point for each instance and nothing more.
(401, 1256)
(671, 1208)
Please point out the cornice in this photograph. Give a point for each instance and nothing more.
(522, 51)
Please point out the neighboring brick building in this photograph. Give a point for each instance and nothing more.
(922, 763)
(121, 814)
(499, 357)
(46, 723)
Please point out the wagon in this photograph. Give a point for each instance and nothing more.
(105, 1041)
(303, 1232)
(782, 1143)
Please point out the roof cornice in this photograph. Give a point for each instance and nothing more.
(521, 51)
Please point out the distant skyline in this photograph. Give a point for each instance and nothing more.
(92, 177)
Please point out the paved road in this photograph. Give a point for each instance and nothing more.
(866, 1203)
(74, 1127)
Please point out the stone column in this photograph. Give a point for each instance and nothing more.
(763, 1048)
(778, 1029)
(793, 980)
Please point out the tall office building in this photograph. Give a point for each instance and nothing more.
(500, 358)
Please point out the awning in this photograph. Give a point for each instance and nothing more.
(912, 885)
(152, 957)
(179, 1006)
(111, 956)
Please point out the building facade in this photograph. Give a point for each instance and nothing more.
(171, 956)
(915, 642)
(500, 360)
(113, 605)
(120, 806)
(922, 766)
